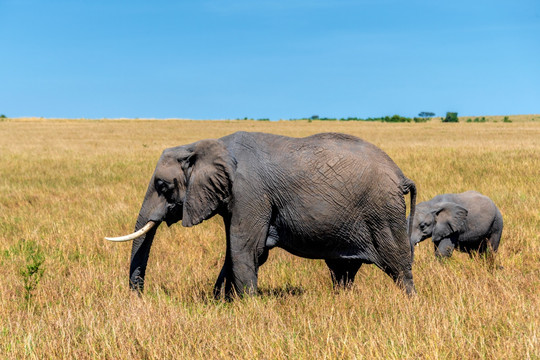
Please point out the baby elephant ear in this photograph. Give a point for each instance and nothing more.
(449, 219)
(209, 171)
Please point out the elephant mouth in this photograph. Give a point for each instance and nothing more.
(418, 239)
(174, 214)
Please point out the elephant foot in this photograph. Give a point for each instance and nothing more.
(403, 279)
(406, 283)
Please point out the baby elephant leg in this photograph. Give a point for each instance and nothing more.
(491, 248)
(444, 248)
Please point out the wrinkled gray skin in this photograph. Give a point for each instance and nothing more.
(468, 222)
(328, 196)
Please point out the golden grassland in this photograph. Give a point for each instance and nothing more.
(64, 184)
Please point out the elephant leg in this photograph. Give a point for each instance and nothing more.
(239, 272)
(247, 227)
(444, 248)
(218, 286)
(395, 255)
(401, 273)
(403, 278)
(493, 242)
(490, 247)
(223, 280)
(495, 239)
(238, 275)
(246, 255)
(397, 258)
(244, 270)
(343, 271)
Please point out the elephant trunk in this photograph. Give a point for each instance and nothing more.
(154, 210)
(140, 251)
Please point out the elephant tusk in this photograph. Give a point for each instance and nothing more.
(135, 235)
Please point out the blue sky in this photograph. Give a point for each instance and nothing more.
(214, 59)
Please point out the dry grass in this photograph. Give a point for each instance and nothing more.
(500, 118)
(65, 184)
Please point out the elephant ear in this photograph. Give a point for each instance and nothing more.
(209, 170)
(449, 219)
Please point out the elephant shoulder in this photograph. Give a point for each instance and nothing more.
(442, 198)
(474, 199)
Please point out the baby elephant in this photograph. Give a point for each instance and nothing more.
(468, 221)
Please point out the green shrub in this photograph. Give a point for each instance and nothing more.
(481, 120)
(31, 273)
(451, 117)
(507, 119)
(396, 118)
(31, 257)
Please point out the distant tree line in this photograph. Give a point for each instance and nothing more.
(424, 116)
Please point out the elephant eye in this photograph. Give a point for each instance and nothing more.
(162, 187)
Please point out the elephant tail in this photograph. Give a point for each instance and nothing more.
(408, 186)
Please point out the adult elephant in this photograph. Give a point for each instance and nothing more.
(328, 196)
(469, 222)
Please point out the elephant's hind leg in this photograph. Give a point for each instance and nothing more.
(495, 237)
(403, 278)
(491, 247)
(343, 271)
(395, 258)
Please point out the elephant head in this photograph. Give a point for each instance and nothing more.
(190, 183)
(437, 221)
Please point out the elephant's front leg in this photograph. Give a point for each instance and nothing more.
(244, 271)
(246, 252)
(223, 279)
(239, 274)
(246, 227)
(444, 248)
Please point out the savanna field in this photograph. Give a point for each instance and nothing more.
(65, 184)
